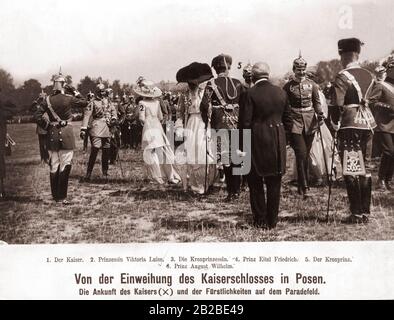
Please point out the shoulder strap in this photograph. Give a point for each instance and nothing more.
(54, 114)
(216, 90)
(353, 80)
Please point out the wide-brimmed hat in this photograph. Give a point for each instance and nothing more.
(147, 88)
(194, 73)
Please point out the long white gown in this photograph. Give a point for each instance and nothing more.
(194, 158)
(157, 153)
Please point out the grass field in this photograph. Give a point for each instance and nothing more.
(128, 209)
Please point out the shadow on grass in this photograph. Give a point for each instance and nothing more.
(20, 199)
(310, 218)
(192, 225)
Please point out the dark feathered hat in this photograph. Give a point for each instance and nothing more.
(195, 73)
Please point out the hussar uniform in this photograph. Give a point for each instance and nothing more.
(60, 136)
(100, 114)
(353, 118)
(220, 106)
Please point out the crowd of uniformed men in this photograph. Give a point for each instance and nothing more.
(276, 117)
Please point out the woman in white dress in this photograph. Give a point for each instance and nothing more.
(157, 153)
(194, 158)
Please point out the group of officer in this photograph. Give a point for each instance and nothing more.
(276, 117)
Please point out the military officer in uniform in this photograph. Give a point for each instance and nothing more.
(115, 127)
(223, 94)
(382, 101)
(303, 95)
(102, 115)
(60, 138)
(353, 118)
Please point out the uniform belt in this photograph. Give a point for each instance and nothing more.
(350, 106)
(302, 109)
(227, 107)
(55, 123)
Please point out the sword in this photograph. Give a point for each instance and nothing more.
(331, 171)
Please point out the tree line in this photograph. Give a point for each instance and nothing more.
(23, 95)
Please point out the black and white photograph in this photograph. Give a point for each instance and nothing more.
(204, 122)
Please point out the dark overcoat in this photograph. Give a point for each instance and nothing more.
(267, 114)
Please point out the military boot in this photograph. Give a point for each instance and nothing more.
(54, 180)
(92, 160)
(303, 187)
(355, 201)
(63, 184)
(365, 189)
(104, 161)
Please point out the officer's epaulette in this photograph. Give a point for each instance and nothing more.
(68, 95)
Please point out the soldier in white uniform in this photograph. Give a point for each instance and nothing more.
(99, 116)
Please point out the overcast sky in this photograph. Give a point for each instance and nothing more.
(123, 39)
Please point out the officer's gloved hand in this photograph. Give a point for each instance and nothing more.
(82, 134)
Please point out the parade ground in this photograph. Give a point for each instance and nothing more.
(127, 209)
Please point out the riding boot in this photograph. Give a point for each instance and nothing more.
(354, 195)
(365, 188)
(54, 180)
(104, 161)
(303, 187)
(92, 160)
(383, 170)
(63, 182)
(389, 173)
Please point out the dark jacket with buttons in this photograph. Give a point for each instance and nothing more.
(59, 138)
(267, 113)
(382, 100)
(305, 102)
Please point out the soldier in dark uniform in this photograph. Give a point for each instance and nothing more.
(267, 115)
(382, 101)
(306, 111)
(353, 118)
(223, 94)
(61, 143)
(247, 75)
(101, 115)
(115, 127)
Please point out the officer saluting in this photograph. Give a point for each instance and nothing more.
(224, 93)
(100, 115)
(58, 106)
(306, 111)
(355, 122)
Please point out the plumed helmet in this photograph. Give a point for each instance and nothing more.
(300, 63)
